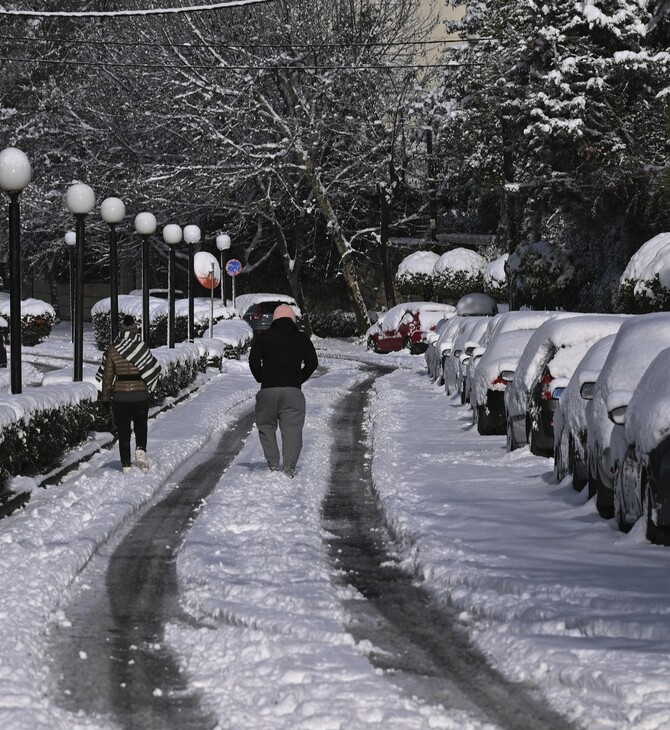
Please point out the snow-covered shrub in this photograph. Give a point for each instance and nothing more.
(458, 272)
(37, 319)
(543, 276)
(495, 279)
(41, 424)
(414, 277)
(645, 283)
(158, 318)
(337, 323)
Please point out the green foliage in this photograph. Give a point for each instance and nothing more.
(35, 445)
(414, 284)
(543, 276)
(337, 323)
(35, 328)
(450, 285)
(654, 297)
(157, 329)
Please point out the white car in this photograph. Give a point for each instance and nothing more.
(570, 417)
(468, 338)
(640, 339)
(547, 363)
(642, 480)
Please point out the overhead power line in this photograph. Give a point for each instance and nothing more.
(126, 13)
(269, 67)
(239, 46)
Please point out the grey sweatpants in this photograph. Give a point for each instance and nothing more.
(284, 407)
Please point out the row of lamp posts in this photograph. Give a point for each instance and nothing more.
(15, 174)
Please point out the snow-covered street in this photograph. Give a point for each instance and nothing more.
(554, 596)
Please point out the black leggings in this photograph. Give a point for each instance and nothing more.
(137, 413)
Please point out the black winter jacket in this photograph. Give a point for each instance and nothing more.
(282, 356)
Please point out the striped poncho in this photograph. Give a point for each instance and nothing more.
(130, 346)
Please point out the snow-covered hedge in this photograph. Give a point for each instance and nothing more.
(414, 277)
(40, 424)
(158, 316)
(645, 283)
(543, 276)
(458, 272)
(37, 319)
(337, 323)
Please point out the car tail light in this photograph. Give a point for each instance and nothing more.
(546, 386)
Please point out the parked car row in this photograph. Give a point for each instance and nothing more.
(590, 391)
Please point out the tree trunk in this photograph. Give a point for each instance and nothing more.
(343, 246)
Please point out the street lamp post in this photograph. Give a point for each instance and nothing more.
(71, 242)
(80, 201)
(223, 243)
(113, 211)
(15, 174)
(191, 237)
(171, 236)
(145, 225)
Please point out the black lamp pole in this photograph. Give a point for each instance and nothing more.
(145, 289)
(113, 281)
(15, 291)
(171, 295)
(78, 369)
(191, 293)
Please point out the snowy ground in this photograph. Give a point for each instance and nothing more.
(554, 595)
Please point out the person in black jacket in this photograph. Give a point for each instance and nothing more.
(281, 359)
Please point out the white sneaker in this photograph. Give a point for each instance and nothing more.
(127, 469)
(141, 459)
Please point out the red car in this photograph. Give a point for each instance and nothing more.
(405, 326)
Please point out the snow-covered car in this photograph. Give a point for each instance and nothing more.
(570, 416)
(257, 309)
(642, 480)
(640, 339)
(487, 389)
(547, 363)
(495, 370)
(442, 348)
(433, 359)
(405, 326)
(468, 338)
(476, 304)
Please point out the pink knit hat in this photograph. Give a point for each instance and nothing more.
(283, 310)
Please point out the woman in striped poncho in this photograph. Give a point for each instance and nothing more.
(129, 372)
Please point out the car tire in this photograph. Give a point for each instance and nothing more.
(559, 471)
(534, 448)
(577, 468)
(604, 501)
(511, 444)
(620, 512)
(485, 424)
(372, 345)
(650, 530)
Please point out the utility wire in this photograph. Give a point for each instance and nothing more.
(126, 13)
(270, 67)
(241, 46)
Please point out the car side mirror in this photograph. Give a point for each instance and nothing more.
(618, 415)
(586, 391)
